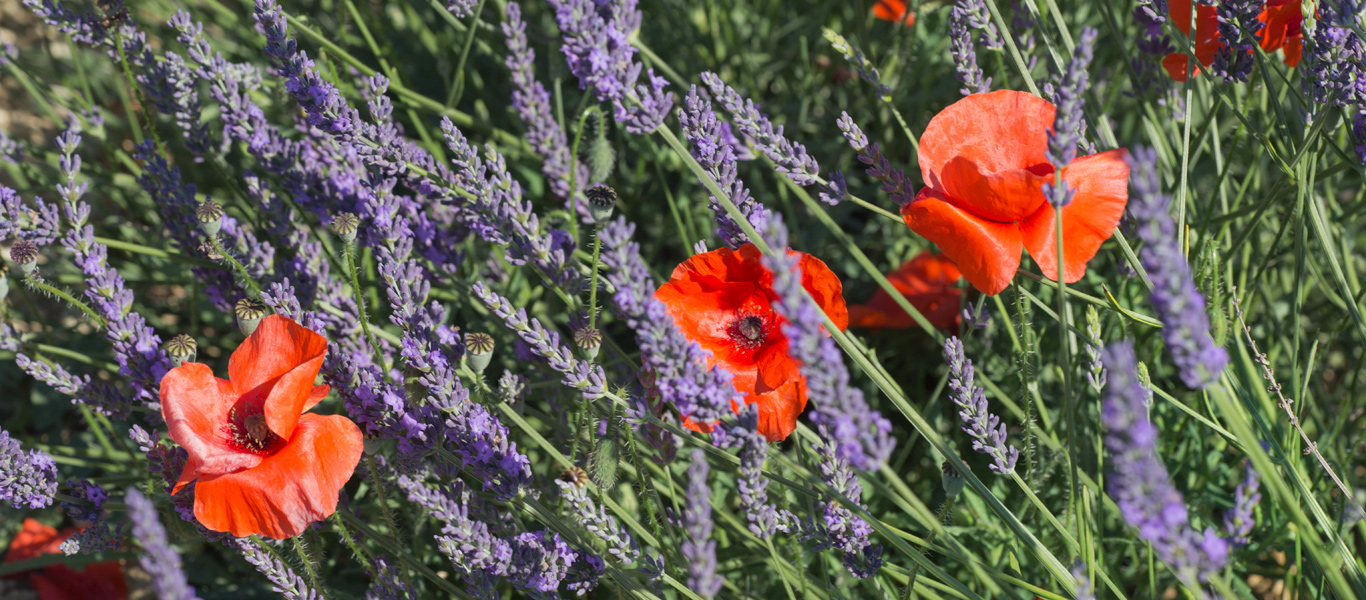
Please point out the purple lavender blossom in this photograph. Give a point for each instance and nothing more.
(865, 67)
(987, 431)
(621, 545)
(97, 535)
(532, 103)
(847, 532)
(584, 574)
(388, 583)
(1070, 120)
(589, 379)
(159, 559)
(857, 433)
(976, 15)
(1239, 520)
(540, 561)
(288, 583)
(743, 434)
(461, 8)
(699, 550)
(894, 181)
(7, 54)
(466, 541)
(1333, 55)
(677, 364)
(26, 480)
(1179, 305)
(596, 36)
(790, 158)
(1084, 590)
(1140, 485)
(11, 151)
(1022, 24)
(1153, 44)
(965, 55)
(1238, 28)
(703, 131)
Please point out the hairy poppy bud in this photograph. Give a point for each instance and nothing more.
(249, 312)
(210, 215)
(25, 254)
(480, 345)
(601, 200)
(588, 339)
(953, 481)
(345, 226)
(181, 349)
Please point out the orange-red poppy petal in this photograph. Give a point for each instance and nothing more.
(1102, 184)
(289, 489)
(928, 282)
(99, 581)
(34, 540)
(825, 288)
(998, 131)
(280, 359)
(986, 252)
(195, 405)
(894, 11)
(779, 409)
(1006, 196)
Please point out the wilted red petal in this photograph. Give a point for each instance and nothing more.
(986, 252)
(289, 489)
(1102, 183)
(195, 405)
(281, 358)
(996, 132)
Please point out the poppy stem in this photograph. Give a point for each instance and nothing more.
(37, 282)
(593, 289)
(929, 539)
(1065, 362)
(309, 564)
(364, 320)
(237, 266)
(358, 551)
(380, 496)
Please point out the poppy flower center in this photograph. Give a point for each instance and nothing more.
(749, 331)
(247, 430)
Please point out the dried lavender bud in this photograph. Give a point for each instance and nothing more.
(588, 339)
(601, 200)
(25, 254)
(210, 215)
(181, 349)
(249, 312)
(345, 226)
(480, 345)
(953, 480)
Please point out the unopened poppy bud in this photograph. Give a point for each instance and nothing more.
(480, 345)
(588, 339)
(181, 349)
(249, 312)
(576, 476)
(210, 215)
(953, 481)
(25, 254)
(601, 200)
(345, 226)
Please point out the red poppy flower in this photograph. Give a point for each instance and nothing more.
(983, 160)
(99, 581)
(894, 11)
(723, 300)
(1282, 30)
(928, 282)
(261, 465)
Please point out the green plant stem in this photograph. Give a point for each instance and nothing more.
(394, 549)
(1065, 362)
(37, 282)
(350, 253)
(237, 266)
(458, 89)
(593, 288)
(356, 550)
(309, 565)
(929, 539)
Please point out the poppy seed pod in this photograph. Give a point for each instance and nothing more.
(210, 215)
(588, 339)
(25, 254)
(345, 226)
(480, 345)
(575, 476)
(601, 200)
(953, 481)
(249, 312)
(181, 349)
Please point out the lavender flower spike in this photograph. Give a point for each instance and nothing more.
(790, 157)
(704, 133)
(699, 549)
(1239, 24)
(857, 433)
(1070, 121)
(1179, 304)
(160, 560)
(26, 480)
(987, 431)
(532, 103)
(1140, 485)
(965, 55)
(751, 483)
(865, 67)
(894, 181)
(1239, 520)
